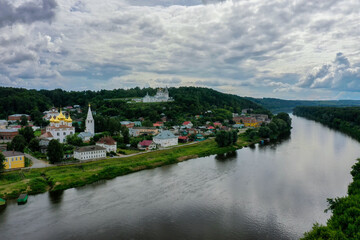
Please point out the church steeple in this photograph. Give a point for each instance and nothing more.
(90, 127)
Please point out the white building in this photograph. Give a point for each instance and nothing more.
(162, 95)
(52, 113)
(59, 128)
(89, 152)
(165, 139)
(108, 143)
(3, 124)
(89, 127)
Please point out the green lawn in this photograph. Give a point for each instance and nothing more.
(37, 133)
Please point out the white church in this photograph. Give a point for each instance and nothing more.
(60, 127)
(162, 95)
(89, 127)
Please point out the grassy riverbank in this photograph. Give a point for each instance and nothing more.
(40, 180)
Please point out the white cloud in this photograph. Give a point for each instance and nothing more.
(255, 46)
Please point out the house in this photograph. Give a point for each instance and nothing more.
(146, 145)
(14, 159)
(137, 124)
(211, 128)
(192, 131)
(238, 126)
(44, 143)
(246, 110)
(183, 139)
(17, 117)
(217, 124)
(89, 152)
(108, 143)
(188, 124)
(138, 131)
(247, 121)
(199, 137)
(127, 124)
(165, 139)
(164, 119)
(3, 124)
(158, 124)
(8, 134)
(85, 136)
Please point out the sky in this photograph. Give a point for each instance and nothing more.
(293, 49)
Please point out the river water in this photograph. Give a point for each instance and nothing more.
(276, 191)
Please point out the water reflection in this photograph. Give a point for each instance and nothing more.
(271, 191)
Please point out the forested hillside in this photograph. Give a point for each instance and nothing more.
(189, 101)
(280, 105)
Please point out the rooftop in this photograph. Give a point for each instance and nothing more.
(12, 154)
(165, 135)
(89, 148)
(107, 140)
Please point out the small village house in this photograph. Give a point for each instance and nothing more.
(138, 131)
(146, 145)
(14, 159)
(108, 143)
(165, 139)
(188, 124)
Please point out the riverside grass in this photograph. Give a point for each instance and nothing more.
(40, 180)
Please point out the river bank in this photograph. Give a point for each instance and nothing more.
(33, 181)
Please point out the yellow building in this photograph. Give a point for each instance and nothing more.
(252, 124)
(14, 159)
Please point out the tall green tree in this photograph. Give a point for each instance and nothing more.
(18, 143)
(55, 151)
(23, 121)
(125, 134)
(28, 133)
(74, 140)
(34, 145)
(2, 161)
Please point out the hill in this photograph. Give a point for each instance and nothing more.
(280, 105)
(189, 101)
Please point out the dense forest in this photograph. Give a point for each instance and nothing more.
(189, 101)
(280, 105)
(344, 119)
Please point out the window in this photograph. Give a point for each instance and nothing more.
(58, 134)
(64, 133)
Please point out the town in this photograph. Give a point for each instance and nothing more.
(60, 139)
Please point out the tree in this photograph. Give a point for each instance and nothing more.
(125, 134)
(55, 151)
(222, 139)
(147, 123)
(23, 121)
(28, 133)
(18, 143)
(74, 140)
(2, 161)
(264, 132)
(234, 136)
(34, 145)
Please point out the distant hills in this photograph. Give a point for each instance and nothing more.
(280, 105)
(189, 101)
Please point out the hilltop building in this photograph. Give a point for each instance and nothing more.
(60, 127)
(52, 113)
(162, 95)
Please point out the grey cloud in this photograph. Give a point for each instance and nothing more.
(171, 81)
(27, 12)
(339, 75)
(18, 57)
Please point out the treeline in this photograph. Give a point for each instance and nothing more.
(280, 124)
(345, 220)
(280, 105)
(189, 101)
(344, 119)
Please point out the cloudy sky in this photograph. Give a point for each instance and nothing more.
(292, 49)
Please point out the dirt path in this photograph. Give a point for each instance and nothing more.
(38, 163)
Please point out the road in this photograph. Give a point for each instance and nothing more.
(37, 163)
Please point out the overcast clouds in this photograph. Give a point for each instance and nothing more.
(296, 49)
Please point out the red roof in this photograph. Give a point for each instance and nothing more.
(217, 124)
(183, 137)
(107, 141)
(211, 127)
(145, 143)
(157, 125)
(47, 135)
(186, 123)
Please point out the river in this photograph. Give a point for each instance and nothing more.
(276, 191)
